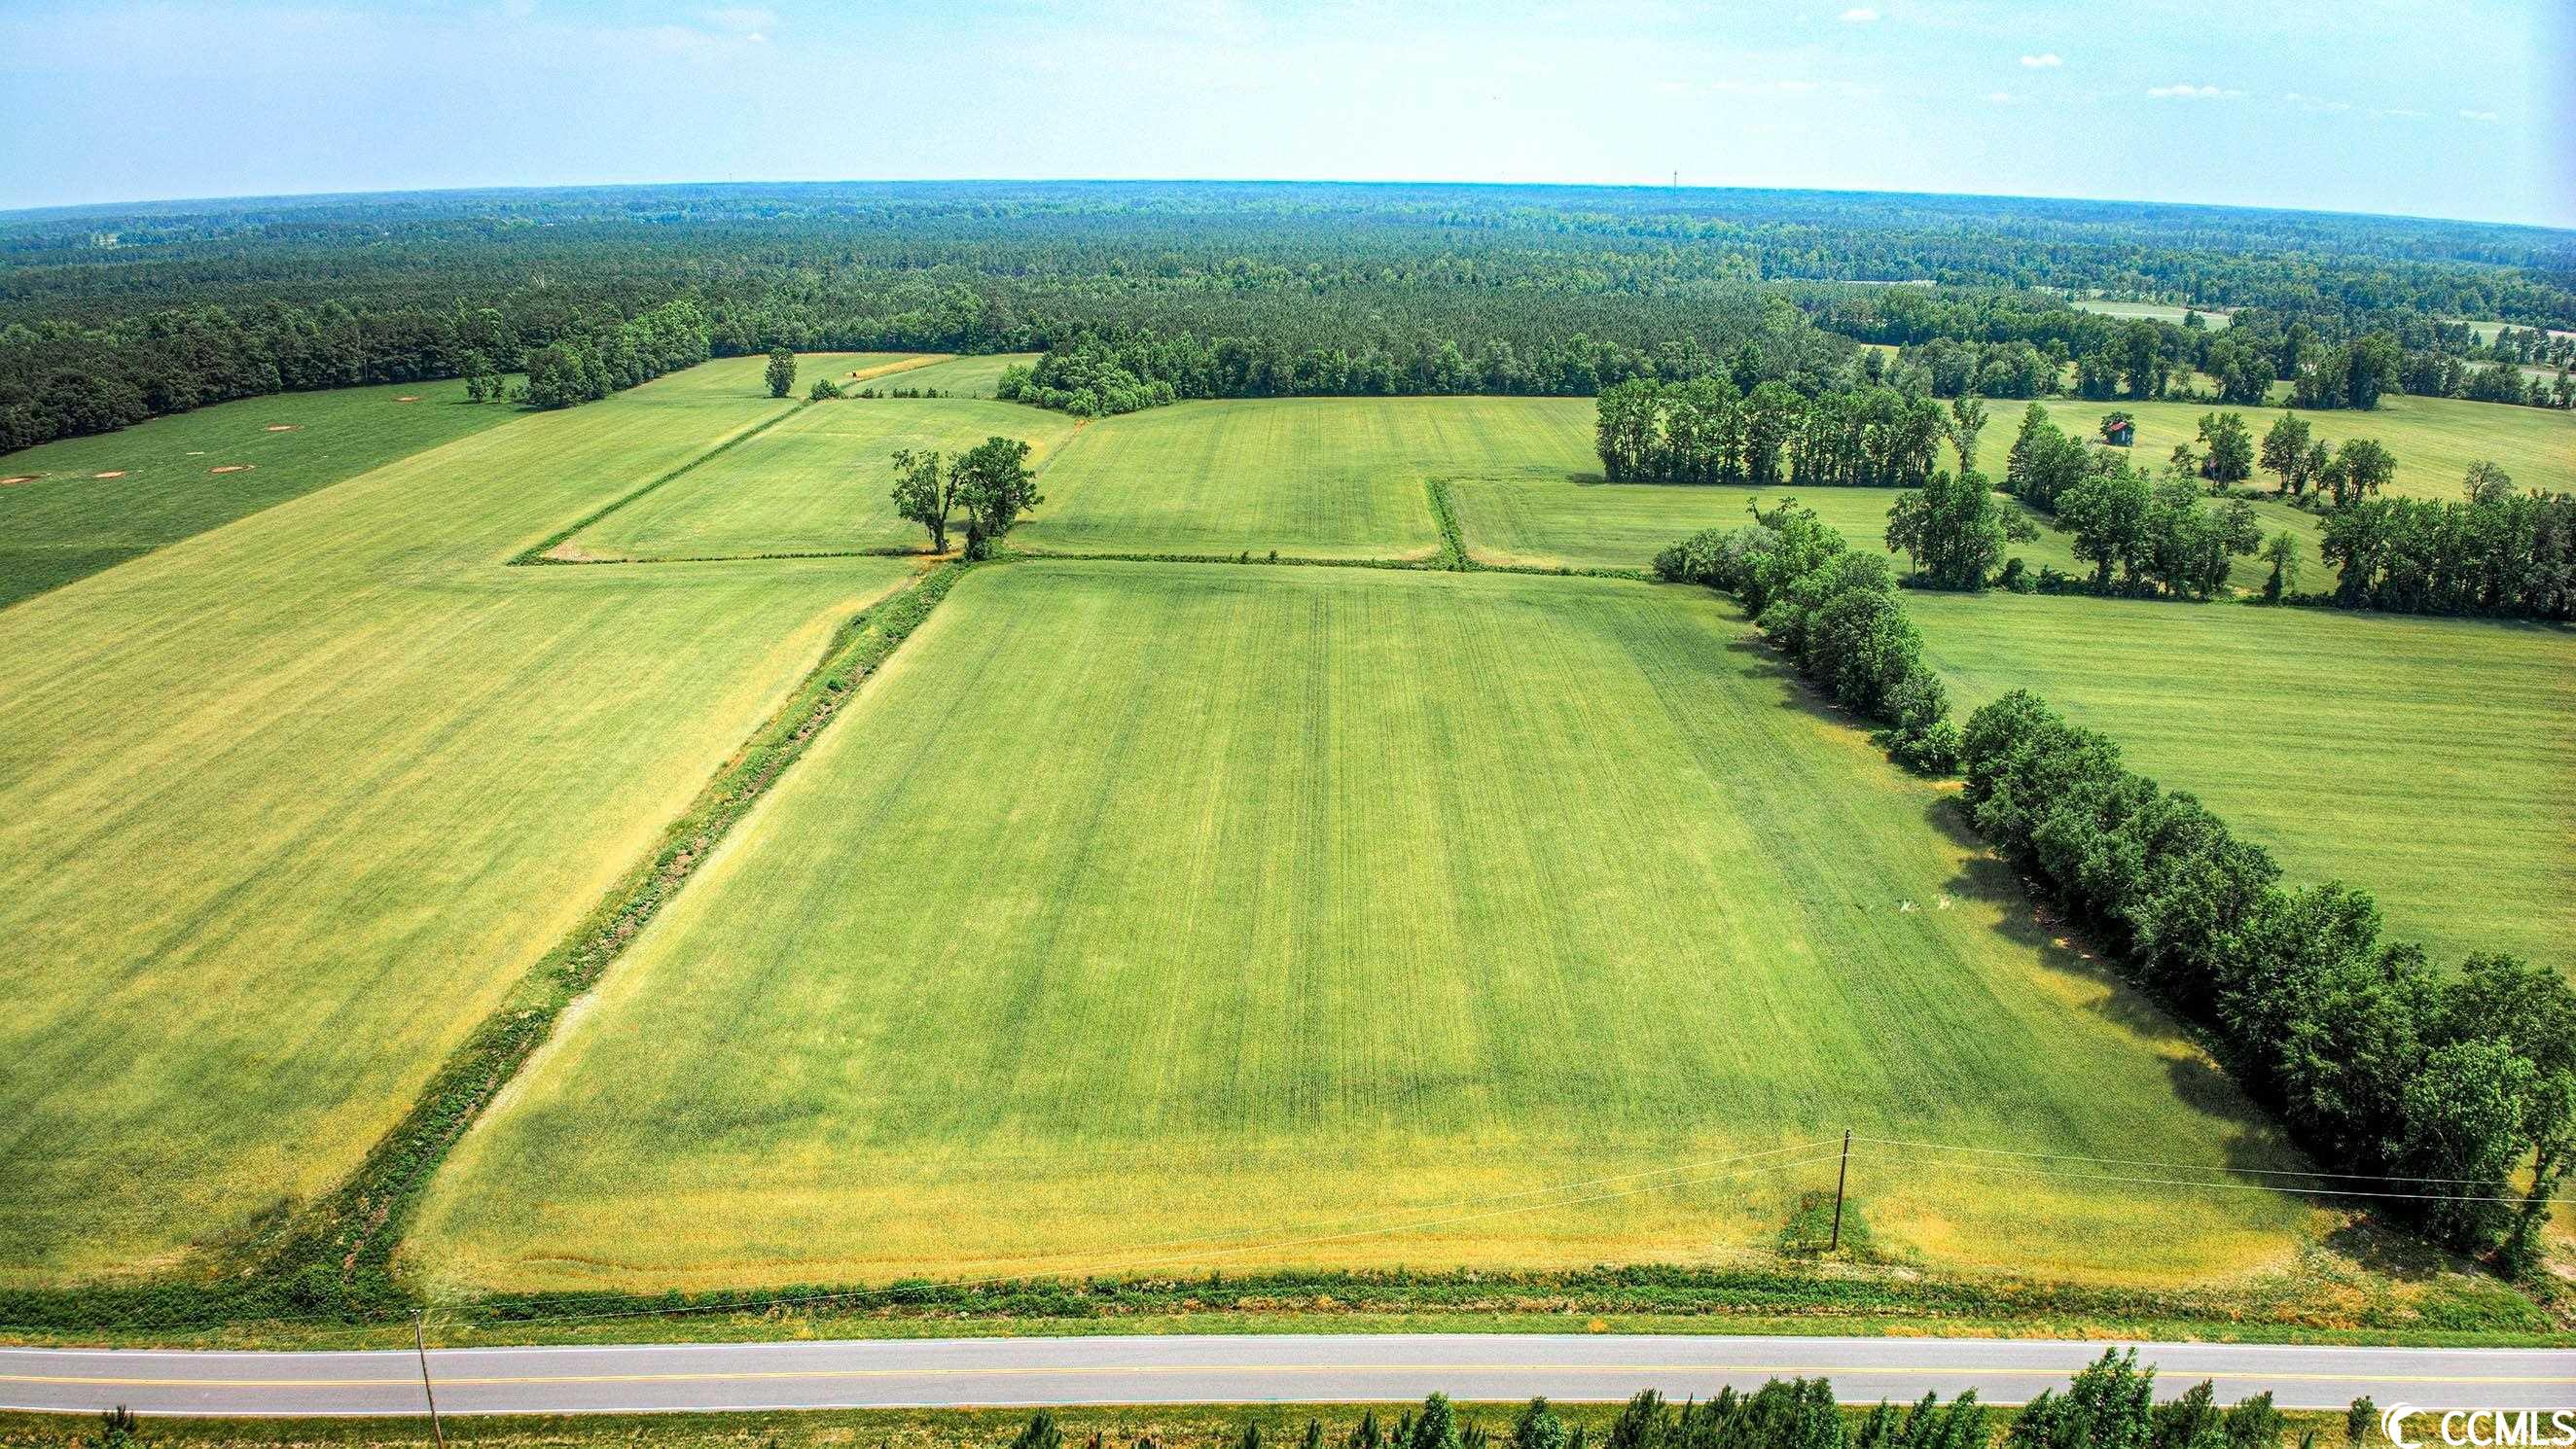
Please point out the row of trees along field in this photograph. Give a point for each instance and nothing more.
(1835, 612)
(2002, 344)
(2380, 1065)
(2493, 551)
(108, 315)
(1707, 431)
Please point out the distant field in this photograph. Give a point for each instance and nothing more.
(1320, 477)
(1147, 902)
(1563, 523)
(69, 522)
(2435, 439)
(285, 808)
(2421, 758)
(731, 379)
(960, 376)
(818, 482)
(2485, 332)
(2154, 311)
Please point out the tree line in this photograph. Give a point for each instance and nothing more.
(1736, 428)
(581, 369)
(110, 315)
(2109, 1404)
(2491, 552)
(1833, 611)
(2376, 1063)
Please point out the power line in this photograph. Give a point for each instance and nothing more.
(2177, 1166)
(2230, 1186)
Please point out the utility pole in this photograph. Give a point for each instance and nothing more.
(420, 1346)
(1842, 1175)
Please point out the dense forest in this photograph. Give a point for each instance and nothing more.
(109, 315)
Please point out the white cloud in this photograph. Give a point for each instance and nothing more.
(2188, 92)
(2047, 61)
(2477, 115)
(2001, 98)
(1859, 15)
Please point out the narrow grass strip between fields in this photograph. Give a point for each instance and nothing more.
(536, 553)
(335, 1261)
(1453, 540)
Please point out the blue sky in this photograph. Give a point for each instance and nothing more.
(2458, 108)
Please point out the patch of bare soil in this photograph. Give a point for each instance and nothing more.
(119, 473)
(285, 427)
(413, 397)
(15, 479)
(231, 468)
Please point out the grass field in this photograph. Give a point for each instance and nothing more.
(2435, 439)
(1313, 477)
(2420, 758)
(1146, 902)
(817, 482)
(70, 522)
(2155, 311)
(287, 806)
(960, 376)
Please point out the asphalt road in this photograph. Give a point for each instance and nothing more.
(1226, 1369)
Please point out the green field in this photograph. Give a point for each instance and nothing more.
(1146, 902)
(69, 522)
(2155, 311)
(816, 483)
(2422, 759)
(958, 376)
(2434, 439)
(1314, 477)
(285, 808)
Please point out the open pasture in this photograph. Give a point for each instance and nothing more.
(737, 379)
(1311, 477)
(2420, 758)
(287, 807)
(1143, 902)
(96, 501)
(817, 482)
(965, 377)
(2434, 439)
(2152, 311)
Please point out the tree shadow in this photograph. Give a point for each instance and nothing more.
(2247, 1135)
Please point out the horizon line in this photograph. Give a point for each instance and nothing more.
(10, 214)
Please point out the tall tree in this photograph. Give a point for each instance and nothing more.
(1955, 529)
(1967, 419)
(782, 371)
(992, 483)
(2285, 452)
(921, 493)
(2231, 448)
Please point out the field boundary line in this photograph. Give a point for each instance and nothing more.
(1431, 564)
(534, 555)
